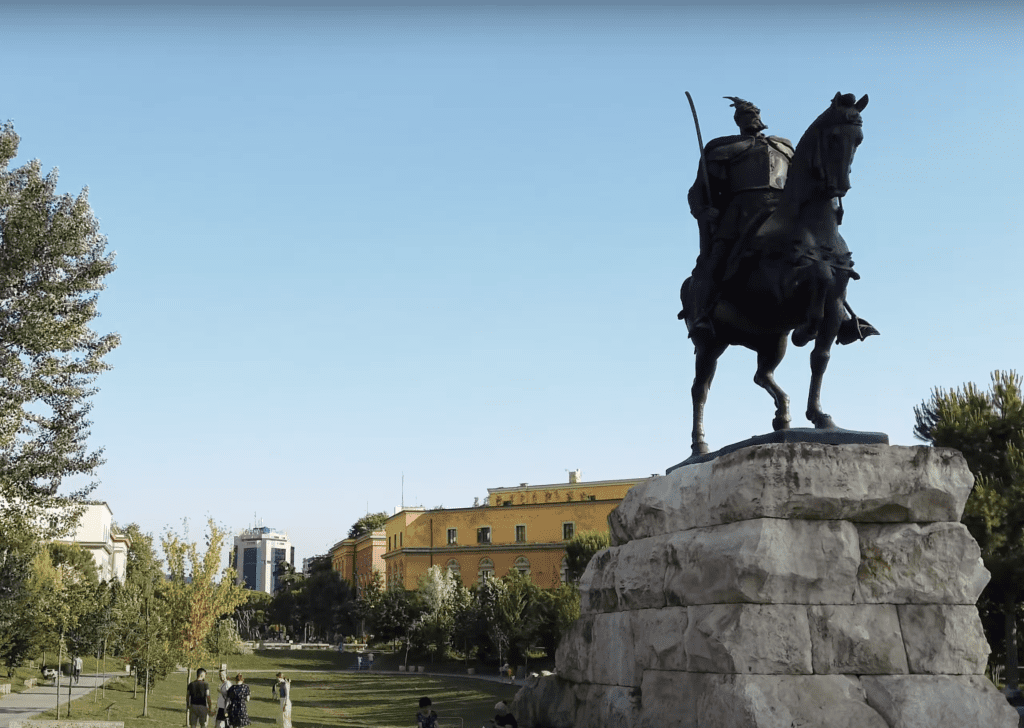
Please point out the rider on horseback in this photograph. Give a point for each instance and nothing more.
(746, 174)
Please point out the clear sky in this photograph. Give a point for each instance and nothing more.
(447, 241)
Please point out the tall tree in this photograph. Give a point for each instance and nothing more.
(195, 597)
(52, 266)
(988, 428)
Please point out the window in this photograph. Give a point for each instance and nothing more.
(568, 531)
(522, 565)
(520, 534)
(565, 569)
(483, 535)
(485, 571)
(453, 535)
(453, 567)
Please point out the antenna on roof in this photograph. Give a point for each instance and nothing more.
(403, 490)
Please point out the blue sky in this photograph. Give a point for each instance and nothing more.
(447, 241)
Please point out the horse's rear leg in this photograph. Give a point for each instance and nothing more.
(820, 355)
(706, 363)
(768, 358)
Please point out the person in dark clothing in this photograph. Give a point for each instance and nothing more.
(426, 718)
(197, 699)
(503, 717)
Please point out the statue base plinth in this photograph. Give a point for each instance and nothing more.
(830, 436)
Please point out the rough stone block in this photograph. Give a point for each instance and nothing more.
(658, 636)
(597, 585)
(785, 701)
(604, 705)
(599, 648)
(935, 563)
(938, 701)
(640, 573)
(858, 639)
(548, 701)
(943, 639)
(749, 639)
(864, 483)
(669, 698)
(764, 561)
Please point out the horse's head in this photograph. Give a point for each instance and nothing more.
(834, 137)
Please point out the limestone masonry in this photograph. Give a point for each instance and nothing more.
(778, 586)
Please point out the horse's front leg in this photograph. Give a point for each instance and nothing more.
(820, 355)
(768, 358)
(706, 364)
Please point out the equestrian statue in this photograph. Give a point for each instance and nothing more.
(771, 258)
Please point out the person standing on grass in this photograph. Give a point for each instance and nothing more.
(283, 690)
(197, 698)
(222, 699)
(238, 706)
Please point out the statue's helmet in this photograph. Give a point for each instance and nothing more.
(746, 109)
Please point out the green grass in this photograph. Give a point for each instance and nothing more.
(320, 699)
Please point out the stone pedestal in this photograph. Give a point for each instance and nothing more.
(782, 585)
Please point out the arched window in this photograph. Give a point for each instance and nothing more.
(485, 571)
(522, 565)
(453, 567)
(565, 569)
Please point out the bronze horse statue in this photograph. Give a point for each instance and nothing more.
(789, 273)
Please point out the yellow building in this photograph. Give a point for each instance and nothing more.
(523, 528)
(357, 558)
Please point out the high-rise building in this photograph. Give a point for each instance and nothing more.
(256, 556)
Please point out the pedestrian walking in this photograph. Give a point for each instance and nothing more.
(77, 670)
(238, 707)
(197, 698)
(222, 699)
(283, 690)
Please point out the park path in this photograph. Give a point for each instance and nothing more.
(32, 702)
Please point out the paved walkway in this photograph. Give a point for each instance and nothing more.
(32, 702)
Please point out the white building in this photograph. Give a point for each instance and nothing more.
(256, 555)
(97, 535)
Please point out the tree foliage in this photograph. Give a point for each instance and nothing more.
(52, 266)
(368, 524)
(195, 597)
(988, 428)
(581, 548)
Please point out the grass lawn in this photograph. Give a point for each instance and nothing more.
(318, 698)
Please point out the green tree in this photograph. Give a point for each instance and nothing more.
(559, 608)
(436, 591)
(581, 548)
(368, 524)
(988, 428)
(195, 598)
(52, 266)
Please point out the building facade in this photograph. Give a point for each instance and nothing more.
(98, 535)
(523, 528)
(256, 555)
(356, 559)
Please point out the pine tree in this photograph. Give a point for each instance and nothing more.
(988, 428)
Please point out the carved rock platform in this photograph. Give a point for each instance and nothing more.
(792, 584)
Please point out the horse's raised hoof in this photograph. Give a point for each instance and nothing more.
(780, 423)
